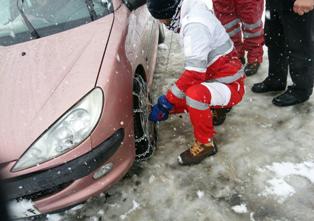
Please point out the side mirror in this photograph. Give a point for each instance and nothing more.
(134, 4)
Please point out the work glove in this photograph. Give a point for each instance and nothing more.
(160, 111)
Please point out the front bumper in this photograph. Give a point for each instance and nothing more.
(72, 182)
(43, 181)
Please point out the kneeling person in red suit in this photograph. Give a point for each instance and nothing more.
(213, 79)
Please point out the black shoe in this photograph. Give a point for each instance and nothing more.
(264, 87)
(251, 69)
(242, 59)
(219, 116)
(288, 98)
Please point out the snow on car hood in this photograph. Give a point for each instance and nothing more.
(41, 79)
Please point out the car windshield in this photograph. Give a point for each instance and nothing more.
(24, 20)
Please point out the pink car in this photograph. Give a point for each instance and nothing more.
(75, 79)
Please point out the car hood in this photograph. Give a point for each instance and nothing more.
(41, 79)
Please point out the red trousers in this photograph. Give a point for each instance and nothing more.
(194, 93)
(242, 21)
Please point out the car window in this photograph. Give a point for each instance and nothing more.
(24, 20)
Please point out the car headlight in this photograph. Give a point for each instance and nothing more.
(65, 134)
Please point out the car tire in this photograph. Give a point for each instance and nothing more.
(161, 36)
(145, 132)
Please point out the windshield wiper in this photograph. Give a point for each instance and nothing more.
(28, 24)
(91, 10)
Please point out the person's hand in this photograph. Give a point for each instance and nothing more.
(160, 111)
(303, 6)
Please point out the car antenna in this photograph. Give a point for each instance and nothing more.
(28, 24)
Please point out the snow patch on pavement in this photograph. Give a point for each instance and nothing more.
(252, 217)
(101, 212)
(54, 217)
(151, 179)
(93, 218)
(22, 208)
(278, 186)
(200, 194)
(240, 208)
(305, 169)
(135, 206)
(163, 46)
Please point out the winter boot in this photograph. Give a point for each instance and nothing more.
(219, 116)
(251, 69)
(197, 153)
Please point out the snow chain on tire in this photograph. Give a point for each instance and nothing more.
(144, 130)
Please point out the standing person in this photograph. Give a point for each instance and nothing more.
(289, 34)
(213, 75)
(246, 15)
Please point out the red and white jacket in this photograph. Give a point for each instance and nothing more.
(209, 52)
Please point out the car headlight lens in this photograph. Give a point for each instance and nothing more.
(65, 134)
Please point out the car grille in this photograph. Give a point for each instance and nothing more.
(47, 192)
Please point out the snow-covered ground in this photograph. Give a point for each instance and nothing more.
(264, 169)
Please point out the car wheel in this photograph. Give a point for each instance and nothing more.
(161, 36)
(144, 130)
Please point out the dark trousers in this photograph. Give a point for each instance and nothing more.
(290, 41)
